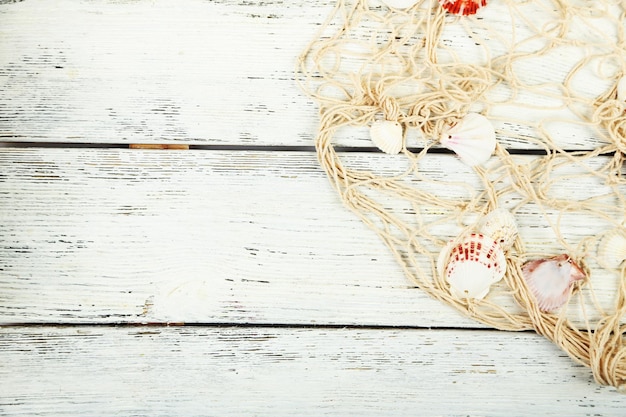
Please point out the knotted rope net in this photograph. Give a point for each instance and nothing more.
(546, 74)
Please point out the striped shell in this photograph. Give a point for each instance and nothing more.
(500, 225)
(387, 136)
(462, 7)
(550, 280)
(612, 249)
(473, 139)
(472, 266)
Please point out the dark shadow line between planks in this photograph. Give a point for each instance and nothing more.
(260, 148)
(223, 325)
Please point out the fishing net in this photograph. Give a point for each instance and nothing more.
(547, 75)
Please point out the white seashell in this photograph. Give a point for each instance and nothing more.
(473, 139)
(550, 280)
(612, 249)
(400, 4)
(387, 136)
(621, 89)
(499, 225)
(472, 266)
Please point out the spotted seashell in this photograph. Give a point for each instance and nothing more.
(612, 249)
(462, 7)
(387, 136)
(500, 225)
(473, 139)
(550, 280)
(472, 266)
(400, 4)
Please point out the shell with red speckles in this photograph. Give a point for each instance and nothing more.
(462, 7)
(472, 265)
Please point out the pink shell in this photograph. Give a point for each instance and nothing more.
(472, 266)
(550, 280)
(462, 7)
(473, 139)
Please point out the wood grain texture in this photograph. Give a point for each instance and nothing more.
(94, 235)
(191, 371)
(204, 73)
(198, 236)
(156, 71)
(258, 239)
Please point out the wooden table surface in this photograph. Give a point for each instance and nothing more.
(225, 279)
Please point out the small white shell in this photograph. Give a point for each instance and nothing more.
(612, 249)
(387, 136)
(550, 280)
(499, 224)
(472, 266)
(621, 89)
(400, 4)
(473, 139)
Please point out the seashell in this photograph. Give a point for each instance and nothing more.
(550, 280)
(462, 7)
(400, 4)
(621, 89)
(473, 139)
(499, 224)
(472, 265)
(387, 136)
(612, 249)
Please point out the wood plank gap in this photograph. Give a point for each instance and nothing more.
(218, 325)
(254, 148)
(158, 146)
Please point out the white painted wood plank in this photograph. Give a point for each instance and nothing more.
(158, 371)
(258, 237)
(202, 72)
(156, 71)
(101, 236)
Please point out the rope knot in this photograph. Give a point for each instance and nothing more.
(612, 114)
(375, 96)
(432, 113)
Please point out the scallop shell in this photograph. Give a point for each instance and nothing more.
(473, 139)
(400, 4)
(621, 89)
(462, 7)
(387, 136)
(550, 280)
(472, 266)
(612, 249)
(499, 224)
